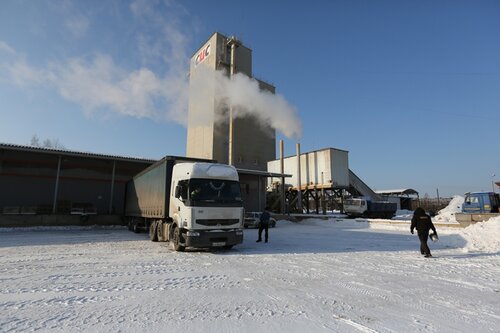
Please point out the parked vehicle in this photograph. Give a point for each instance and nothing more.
(478, 206)
(187, 201)
(252, 220)
(364, 207)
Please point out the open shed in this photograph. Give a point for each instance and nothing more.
(403, 197)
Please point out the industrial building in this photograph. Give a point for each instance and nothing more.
(50, 183)
(320, 182)
(215, 133)
(43, 181)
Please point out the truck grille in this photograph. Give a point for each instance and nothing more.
(217, 222)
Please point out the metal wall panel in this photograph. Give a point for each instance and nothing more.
(252, 192)
(327, 167)
(28, 182)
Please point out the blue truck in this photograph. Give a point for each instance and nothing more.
(478, 207)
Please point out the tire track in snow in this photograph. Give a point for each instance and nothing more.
(358, 326)
(202, 282)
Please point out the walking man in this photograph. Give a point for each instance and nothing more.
(423, 223)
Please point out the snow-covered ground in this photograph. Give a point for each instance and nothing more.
(314, 276)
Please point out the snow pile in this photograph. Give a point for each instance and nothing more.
(483, 236)
(447, 214)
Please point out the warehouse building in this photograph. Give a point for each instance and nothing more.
(41, 181)
(48, 183)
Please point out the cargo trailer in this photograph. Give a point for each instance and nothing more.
(189, 202)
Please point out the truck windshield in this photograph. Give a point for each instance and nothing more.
(353, 202)
(209, 191)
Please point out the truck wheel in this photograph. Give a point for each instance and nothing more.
(178, 240)
(153, 232)
(159, 232)
(130, 225)
(135, 228)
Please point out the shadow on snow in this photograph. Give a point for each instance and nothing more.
(327, 236)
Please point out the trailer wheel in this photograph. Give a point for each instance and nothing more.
(135, 227)
(159, 232)
(178, 240)
(130, 225)
(153, 232)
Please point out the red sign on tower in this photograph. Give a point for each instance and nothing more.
(204, 53)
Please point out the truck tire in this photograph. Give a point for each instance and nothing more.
(153, 235)
(178, 240)
(135, 227)
(159, 232)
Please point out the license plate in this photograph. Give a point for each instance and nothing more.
(219, 244)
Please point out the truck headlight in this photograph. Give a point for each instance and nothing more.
(193, 233)
(239, 232)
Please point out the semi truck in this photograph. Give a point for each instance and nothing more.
(365, 207)
(478, 207)
(188, 202)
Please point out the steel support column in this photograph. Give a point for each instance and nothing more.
(56, 190)
(110, 211)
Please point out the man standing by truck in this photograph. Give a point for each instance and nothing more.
(264, 225)
(423, 223)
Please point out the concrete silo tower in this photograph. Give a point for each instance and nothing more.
(213, 131)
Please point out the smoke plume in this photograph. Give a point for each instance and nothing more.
(158, 87)
(244, 95)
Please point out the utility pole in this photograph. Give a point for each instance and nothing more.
(299, 181)
(282, 167)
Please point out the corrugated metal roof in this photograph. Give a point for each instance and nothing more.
(311, 152)
(65, 152)
(407, 191)
(262, 173)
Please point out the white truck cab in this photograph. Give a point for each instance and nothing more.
(206, 204)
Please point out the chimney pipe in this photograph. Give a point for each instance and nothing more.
(231, 125)
(299, 181)
(282, 163)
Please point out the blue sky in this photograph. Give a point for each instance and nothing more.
(410, 88)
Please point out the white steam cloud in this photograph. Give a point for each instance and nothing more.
(244, 93)
(97, 83)
(247, 99)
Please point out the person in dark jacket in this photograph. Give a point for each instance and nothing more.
(423, 223)
(264, 225)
